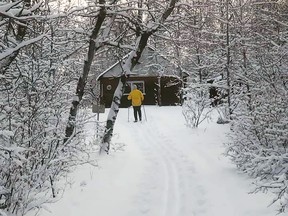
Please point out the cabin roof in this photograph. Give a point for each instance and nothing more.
(151, 63)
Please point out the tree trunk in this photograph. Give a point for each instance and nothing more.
(130, 63)
(228, 59)
(113, 114)
(93, 47)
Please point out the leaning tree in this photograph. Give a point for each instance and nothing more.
(144, 21)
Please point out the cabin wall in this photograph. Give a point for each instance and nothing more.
(167, 95)
(170, 91)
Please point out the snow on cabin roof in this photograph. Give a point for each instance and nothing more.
(151, 63)
(215, 79)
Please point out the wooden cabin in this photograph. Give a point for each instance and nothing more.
(155, 76)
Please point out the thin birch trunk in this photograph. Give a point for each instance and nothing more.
(228, 58)
(130, 63)
(128, 66)
(93, 47)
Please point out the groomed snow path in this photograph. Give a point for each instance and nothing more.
(164, 169)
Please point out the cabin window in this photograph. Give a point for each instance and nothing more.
(129, 84)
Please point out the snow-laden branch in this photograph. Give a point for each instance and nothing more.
(116, 44)
(8, 6)
(8, 11)
(10, 51)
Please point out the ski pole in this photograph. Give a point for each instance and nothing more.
(128, 113)
(144, 112)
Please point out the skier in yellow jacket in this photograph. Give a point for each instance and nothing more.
(137, 97)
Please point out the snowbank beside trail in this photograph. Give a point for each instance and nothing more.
(163, 169)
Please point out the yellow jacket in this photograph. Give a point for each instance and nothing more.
(136, 96)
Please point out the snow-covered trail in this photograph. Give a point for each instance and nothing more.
(165, 169)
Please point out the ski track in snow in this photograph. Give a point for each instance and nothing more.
(161, 164)
(181, 182)
(169, 170)
(166, 169)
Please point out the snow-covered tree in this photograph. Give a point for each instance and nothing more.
(245, 44)
(259, 130)
(144, 22)
(37, 72)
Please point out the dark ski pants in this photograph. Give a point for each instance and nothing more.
(137, 110)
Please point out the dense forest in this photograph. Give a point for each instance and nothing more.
(50, 51)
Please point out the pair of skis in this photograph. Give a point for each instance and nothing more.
(143, 112)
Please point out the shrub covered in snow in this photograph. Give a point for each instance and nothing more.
(197, 104)
(259, 133)
(35, 98)
(223, 114)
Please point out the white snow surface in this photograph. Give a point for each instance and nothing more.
(163, 169)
